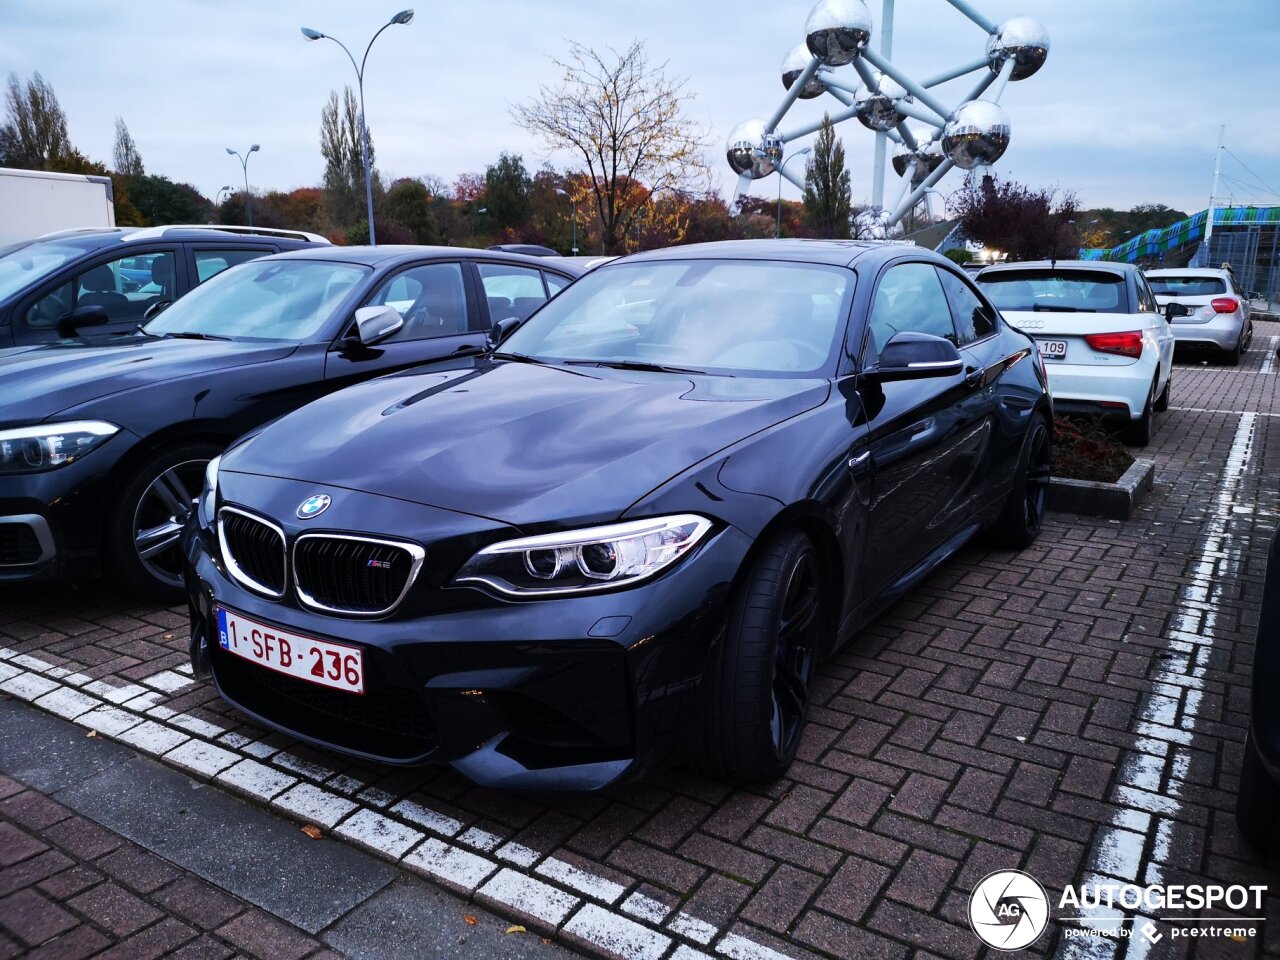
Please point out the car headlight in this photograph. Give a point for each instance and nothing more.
(47, 446)
(209, 494)
(581, 561)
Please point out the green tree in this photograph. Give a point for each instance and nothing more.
(127, 159)
(344, 193)
(35, 131)
(162, 201)
(506, 188)
(408, 204)
(626, 120)
(828, 196)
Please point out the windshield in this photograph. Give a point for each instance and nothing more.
(262, 300)
(28, 263)
(1085, 291)
(734, 317)
(1187, 286)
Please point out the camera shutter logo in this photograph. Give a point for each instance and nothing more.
(1008, 909)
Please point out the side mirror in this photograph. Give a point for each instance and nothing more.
(1172, 310)
(501, 330)
(92, 315)
(375, 324)
(916, 356)
(155, 309)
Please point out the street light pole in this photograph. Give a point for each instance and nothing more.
(403, 17)
(244, 166)
(777, 233)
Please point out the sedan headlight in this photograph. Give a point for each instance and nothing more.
(47, 446)
(581, 561)
(209, 495)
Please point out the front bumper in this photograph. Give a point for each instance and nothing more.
(566, 693)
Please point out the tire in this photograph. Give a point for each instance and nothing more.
(1162, 401)
(757, 689)
(150, 512)
(1257, 802)
(1022, 516)
(1233, 356)
(1137, 433)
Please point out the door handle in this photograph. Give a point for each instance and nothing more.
(973, 376)
(860, 462)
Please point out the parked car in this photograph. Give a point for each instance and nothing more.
(1106, 345)
(632, 528)
(107, 281)
(1208, 311)
(1259, 796)
(103, 445)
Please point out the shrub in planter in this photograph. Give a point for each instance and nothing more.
(1084, 450)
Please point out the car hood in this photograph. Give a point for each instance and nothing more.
(37, 383)
(519, 443)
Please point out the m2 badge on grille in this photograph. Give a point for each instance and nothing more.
(329, 664)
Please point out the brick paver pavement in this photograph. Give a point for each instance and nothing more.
(1075, 710)
(70, 888)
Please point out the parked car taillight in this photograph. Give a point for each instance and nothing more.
(1128, 344)
(1225, 304)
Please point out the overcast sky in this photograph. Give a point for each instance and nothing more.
(1125, 111)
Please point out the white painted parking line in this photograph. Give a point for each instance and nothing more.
(646, 908)
(314, 805)
(446, 826)
(67, 703)
(533, 898)
(373, 830)
(29, 686)
(457, 869)
(167, 681)
(617, 935)
(256, 779)
(154, 738)
(1269, 360)
(109, 720)
(570, 876)
(692, 927)
(740, 948)
(201, 758)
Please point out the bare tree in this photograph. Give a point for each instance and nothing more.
(625, 118)
(127, 159)
(35, 131)
(344, 202)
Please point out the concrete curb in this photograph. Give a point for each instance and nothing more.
(1114, 501)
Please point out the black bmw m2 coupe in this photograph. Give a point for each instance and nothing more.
(630, 530)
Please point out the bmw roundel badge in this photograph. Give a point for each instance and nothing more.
(313, 506)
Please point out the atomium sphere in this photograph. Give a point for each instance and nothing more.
(751, 151)
(976, 134)
(917, 163)
(879, 110)
(873, 224)
(1024, 41)
(837, 30)
(793, 65)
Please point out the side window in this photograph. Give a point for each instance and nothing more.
(125, 287)
(555, 282)
(210, 263)
(431, 298)
(910, 297)
(972, 317)
(1146, 299)
(511, 291)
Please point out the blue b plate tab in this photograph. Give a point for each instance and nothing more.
(223, 642)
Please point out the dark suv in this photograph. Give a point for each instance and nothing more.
(126, 273)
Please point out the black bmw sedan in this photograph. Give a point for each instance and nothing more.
(104, 440)
(632, 528)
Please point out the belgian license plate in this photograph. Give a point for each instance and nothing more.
(1053, 349)
(329, 664)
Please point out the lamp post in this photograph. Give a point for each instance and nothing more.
(244, 166)
(574, 221)
(217, 200)
(777, 232)
(403, 17)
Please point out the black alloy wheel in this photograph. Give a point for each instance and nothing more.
(757, 691)
(1022, 518)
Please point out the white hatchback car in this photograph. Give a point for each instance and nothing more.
(1106, 346)
(1217, 314)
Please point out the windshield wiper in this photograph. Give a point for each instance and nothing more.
(1049, 308)
(192, 335)
(641, 365)
(518, 358)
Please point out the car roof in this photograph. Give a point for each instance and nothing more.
(403, 253)
(1189, 272)
(839, 252)
(94, 238)
(1095, 266)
